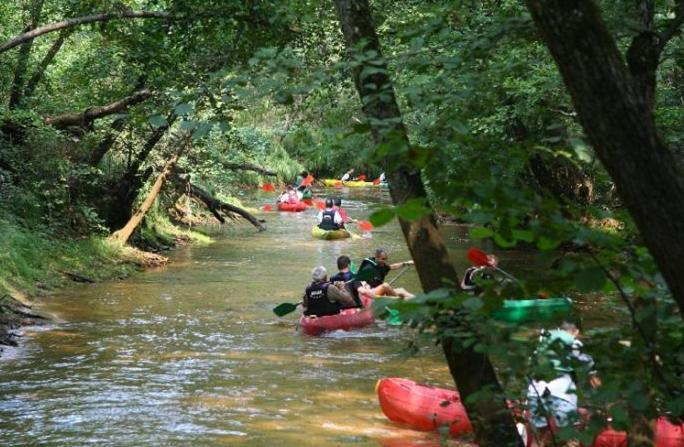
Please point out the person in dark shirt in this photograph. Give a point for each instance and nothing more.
(323, 297)
(343, 274)
(379, 268)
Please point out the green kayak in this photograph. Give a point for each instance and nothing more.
(329, 235)
(519, 311)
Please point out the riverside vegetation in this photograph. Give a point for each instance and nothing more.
(552, 126)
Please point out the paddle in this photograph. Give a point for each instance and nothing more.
(479, 257)
(283, 309)
(307, 181)
(267, 208)
(364, 225)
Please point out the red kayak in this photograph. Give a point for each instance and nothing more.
(667, 434)
(299, 206)
(422, 407)
(345, 320)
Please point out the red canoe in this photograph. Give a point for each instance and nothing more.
(422, 407)
(299, 206)
(345, 320)
(666, 435)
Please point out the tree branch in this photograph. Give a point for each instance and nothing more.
(47, 60)
(248, 167)
(86, 117)
(30, 35)
(214, 205)
(24, 55)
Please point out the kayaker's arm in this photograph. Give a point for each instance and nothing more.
(398, 265)
(340, 295)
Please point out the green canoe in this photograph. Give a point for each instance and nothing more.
(519, 311)
(329, 235)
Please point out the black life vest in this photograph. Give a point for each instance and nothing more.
(378, 272)
(342, 276)
(318, 302)
(328, 221)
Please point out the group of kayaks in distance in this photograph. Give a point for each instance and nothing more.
(332, 218)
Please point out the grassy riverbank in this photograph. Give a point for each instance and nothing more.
(34, 262)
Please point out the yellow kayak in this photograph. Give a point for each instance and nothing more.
(329, 234)
(350, 184)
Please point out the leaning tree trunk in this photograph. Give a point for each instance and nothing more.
(472, 371)
(618, 118)
(124, 233)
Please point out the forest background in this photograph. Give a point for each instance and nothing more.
(575, 152)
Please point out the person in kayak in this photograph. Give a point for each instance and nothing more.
(378, 270)
(348, 175)
(329, 218)
(344, 273)
(300, 179)
(474, 272)
(552, 391)
(337, 205)
(322, 297)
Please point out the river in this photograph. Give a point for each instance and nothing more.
(192, 354)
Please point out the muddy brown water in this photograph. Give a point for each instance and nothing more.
(192, 354)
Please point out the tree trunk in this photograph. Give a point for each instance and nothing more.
(107, 142)
(85, 118)
(124, 233)
(618, 119)
(472, 371)
(128, 187)
(23, 58)
(47, 60)
(30, 35)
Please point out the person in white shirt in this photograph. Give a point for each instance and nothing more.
(552, 391)
(348, 175)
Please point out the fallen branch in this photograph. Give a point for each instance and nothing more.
(78, 278)
(248, 167)
(86, 117)
(214, 205)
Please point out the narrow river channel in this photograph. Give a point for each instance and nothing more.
(192, 354)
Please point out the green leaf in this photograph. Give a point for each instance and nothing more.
(590, 279)
(182, 109)
(382, 216)
(413, 209)
(480, 232)
(157, 121)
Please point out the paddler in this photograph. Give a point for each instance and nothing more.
(378, 270)
(552, 392)
(337, 204)
(322, 297)
(329, 218)
(348, 176)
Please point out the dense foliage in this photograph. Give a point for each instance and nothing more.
(268, 83)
